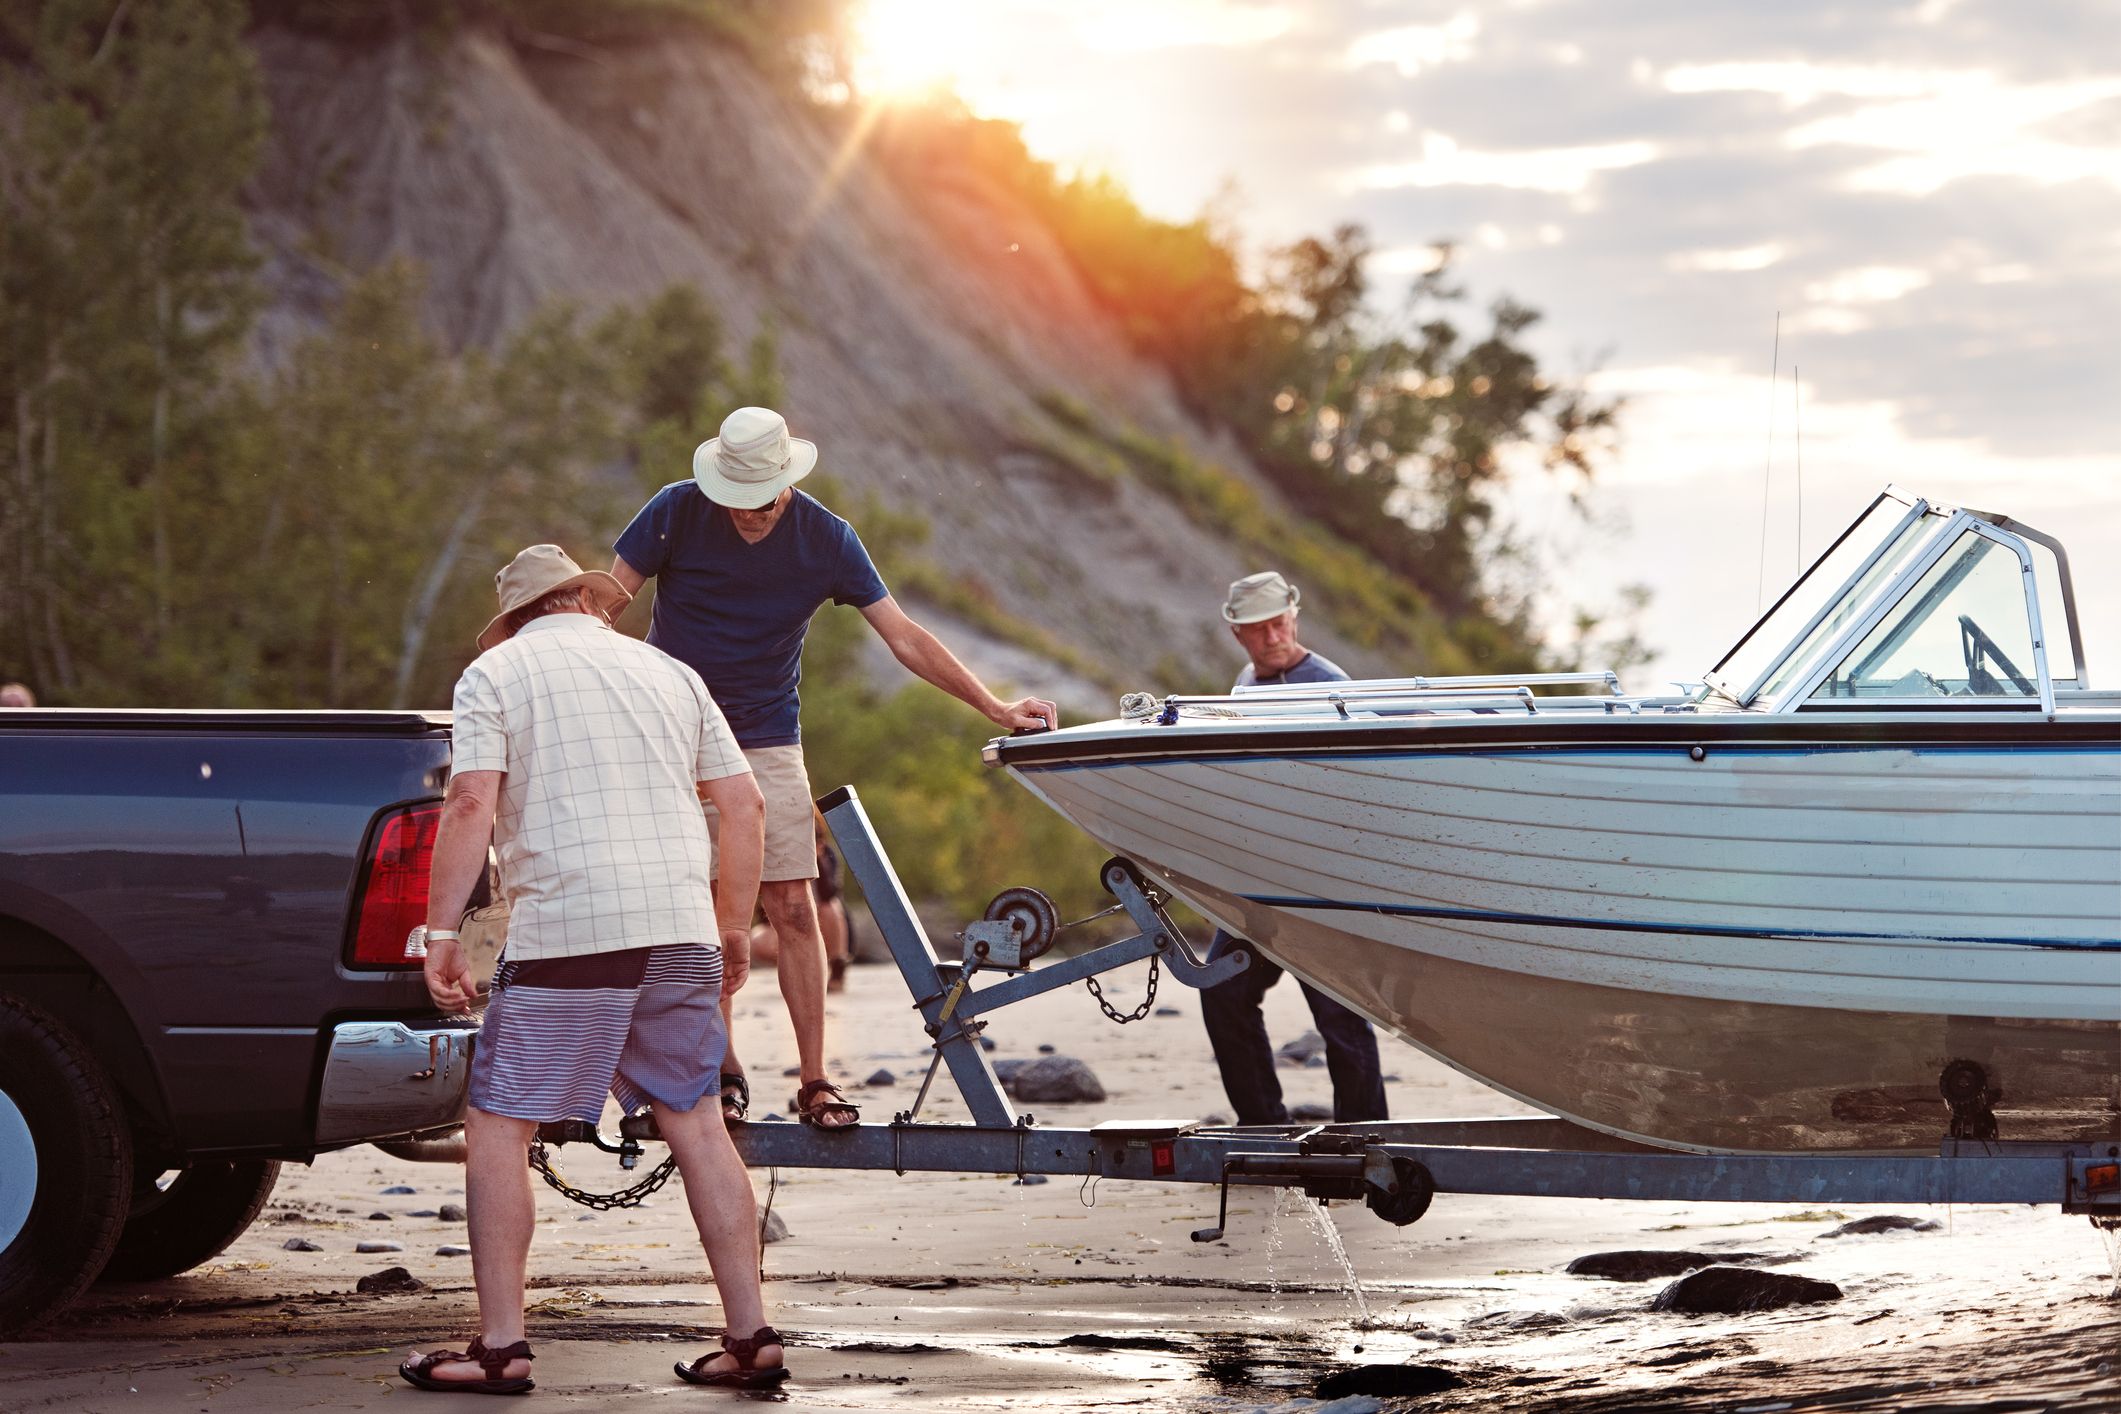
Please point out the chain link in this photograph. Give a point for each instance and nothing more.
(602, 1202)
(1139, 1012)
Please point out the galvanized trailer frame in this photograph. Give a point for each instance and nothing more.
(1395, 1167)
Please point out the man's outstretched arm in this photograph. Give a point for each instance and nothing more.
(925, 656)
(629, 578)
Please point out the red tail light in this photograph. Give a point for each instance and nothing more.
(394, 887)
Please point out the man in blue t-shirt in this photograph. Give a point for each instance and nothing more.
(741, 560)
(1261, 612)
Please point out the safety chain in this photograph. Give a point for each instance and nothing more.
(1139, 1012)
(602, 1202)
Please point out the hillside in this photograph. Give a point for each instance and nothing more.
(923, 325)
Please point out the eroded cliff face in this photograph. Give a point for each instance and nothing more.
(920, 316)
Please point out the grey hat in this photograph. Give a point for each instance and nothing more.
(1258, 597)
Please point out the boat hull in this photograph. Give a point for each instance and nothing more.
(1699, 952)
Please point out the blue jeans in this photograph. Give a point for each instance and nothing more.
(1245, 1056)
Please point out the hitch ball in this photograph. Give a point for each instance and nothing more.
(1412, 1188)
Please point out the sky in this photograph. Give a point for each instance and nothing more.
(1926, 196)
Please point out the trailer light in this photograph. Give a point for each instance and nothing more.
(2102, 1178)
(1162, 1161)
(394, 887)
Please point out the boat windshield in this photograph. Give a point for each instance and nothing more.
(1820, 604)
(1961, 631)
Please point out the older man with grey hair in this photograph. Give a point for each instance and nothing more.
(1261, 611)
(583, 755)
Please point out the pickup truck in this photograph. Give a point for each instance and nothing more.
(203, 973)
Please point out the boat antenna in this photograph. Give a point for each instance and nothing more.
(1797, 416)
(1767, 471)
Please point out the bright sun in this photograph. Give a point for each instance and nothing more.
(907, 48)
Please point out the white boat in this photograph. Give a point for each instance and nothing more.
(1858, 890)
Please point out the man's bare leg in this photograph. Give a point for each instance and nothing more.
(791, 909)
(503, 1213)
(718, 1191)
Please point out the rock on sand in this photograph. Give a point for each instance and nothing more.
(1300, 1050)
(1648, 1265)
(452, 1213)
(390, 1279)
(1056, 1080)
(1881, 1222)
(1729, 1290)
(774, 1230)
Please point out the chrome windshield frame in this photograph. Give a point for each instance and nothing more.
(1917, 508)
(1888, 598)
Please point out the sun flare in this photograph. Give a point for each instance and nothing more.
(911, 48)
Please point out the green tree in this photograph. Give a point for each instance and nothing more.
(124, 291)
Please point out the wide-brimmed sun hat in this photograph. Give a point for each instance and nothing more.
(753, 461)
(1259, 597)
(537, 572)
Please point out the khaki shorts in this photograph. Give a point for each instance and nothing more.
(791, 841)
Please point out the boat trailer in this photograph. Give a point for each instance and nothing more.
(1395, 1167)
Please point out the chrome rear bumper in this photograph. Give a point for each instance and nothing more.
(383, 1079)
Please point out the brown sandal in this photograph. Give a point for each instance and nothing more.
(811, 1106)
(748, 1374)
(420, 1373)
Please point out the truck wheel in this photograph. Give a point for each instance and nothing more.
(66, 1166)
(189, 1218)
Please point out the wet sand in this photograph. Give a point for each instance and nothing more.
(970, 1292)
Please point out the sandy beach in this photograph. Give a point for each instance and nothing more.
(968, 1292)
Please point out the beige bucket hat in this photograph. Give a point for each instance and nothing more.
(753, 461)
(1258, 597)
(537, 572)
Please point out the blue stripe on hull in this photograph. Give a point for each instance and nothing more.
(1477, 915)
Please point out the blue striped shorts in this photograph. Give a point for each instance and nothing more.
(561, 1033)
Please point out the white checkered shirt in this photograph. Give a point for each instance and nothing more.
(599, 832)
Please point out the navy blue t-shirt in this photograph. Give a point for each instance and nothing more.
(736, 613)
(1312, 667)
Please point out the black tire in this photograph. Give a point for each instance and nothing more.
(76, 1167)
(204, 1208)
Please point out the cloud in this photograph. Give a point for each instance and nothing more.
(1555, 169)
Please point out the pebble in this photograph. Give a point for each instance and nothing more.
(299, 1244)
(1728, 1290)
(986, 1043)
(423, 1213)
(1311, 1113)
(793, 1070)
(1315, 1063)
(1647, 1265)
(1215, 1121)
(452, 1213)
(379, 1217)
(1045, 1049)
(880, 1078)
(1057, 1080)
(1168, 1011)
(1030, 1180)
(775, 1230)
(398, 1190)
(452, 1249)
(373, 1247)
